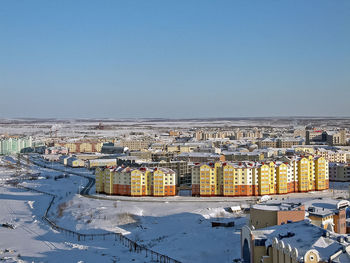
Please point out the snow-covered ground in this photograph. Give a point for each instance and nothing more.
(181, 230)
(33, 240)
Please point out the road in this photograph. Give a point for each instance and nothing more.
(333, 193)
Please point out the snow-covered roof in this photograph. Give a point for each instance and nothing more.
(303, 236)
(277, 206)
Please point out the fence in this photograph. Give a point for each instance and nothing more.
(125, 241)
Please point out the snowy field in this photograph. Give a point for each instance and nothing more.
(32, 240)
(118, 127)
(181, 230)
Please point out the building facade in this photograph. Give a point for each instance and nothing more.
(339, 172)
(14, 145)
(81, 146)
(292, 243)
(299, 174)
(136, 182)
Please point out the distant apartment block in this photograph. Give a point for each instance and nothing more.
(198, 157)
(136, 145)
(336, 138)
(162, 156)
(267, 143)
(241, 156)
(339, 172)
(280, 142)
(14, 144)
(315, 136)
(334, 156)
(81, 146)
(289, 142)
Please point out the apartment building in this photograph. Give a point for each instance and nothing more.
(339, 172)
(181, 168)
(136, 182)
(289, 142)
(336, 137)
(142, 155)
(136, 145)
(141, 182)
(268, 143)
(14, 144)
(81, 146)
(164, 182)
(198, 157)
(299, 174)
(208, 135)
(162, 156)
(315, 136)
(334, 156)
(241, 156)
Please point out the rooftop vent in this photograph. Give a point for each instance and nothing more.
(325, 234)
(340, 239)
(311, 209)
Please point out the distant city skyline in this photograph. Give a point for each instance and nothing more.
(174, 59)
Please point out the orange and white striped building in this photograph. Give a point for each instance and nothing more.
(299, 174)
(136, 182)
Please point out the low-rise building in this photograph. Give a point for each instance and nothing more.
(271, 214)
(329, 214)
(75, 162)
(292, 243)
(91, 164)
(56, 150)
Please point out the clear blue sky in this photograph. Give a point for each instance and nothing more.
(176, 59)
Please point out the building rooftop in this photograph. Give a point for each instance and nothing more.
(277, 206)
(303, 236)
